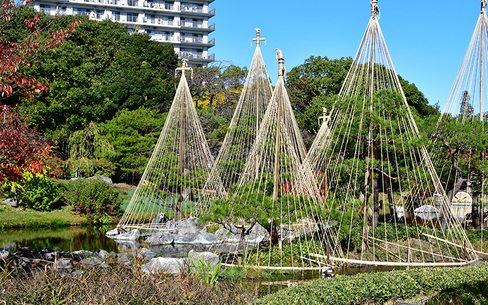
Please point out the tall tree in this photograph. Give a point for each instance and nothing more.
(95, 73)
(15, 54)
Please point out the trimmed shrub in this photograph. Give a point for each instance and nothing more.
(38, 192)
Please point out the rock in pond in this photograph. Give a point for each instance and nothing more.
(125, 245)
(190, 226)
(160, 238)
(165, 265)
(209, 258)
(132, 235)
(196, 238)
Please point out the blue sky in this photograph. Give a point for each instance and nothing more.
(427, 39)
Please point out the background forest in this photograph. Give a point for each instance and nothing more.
(109, 92)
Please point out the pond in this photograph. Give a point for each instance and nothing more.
(64, 238)
(91, 238)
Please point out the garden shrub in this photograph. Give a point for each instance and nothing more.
(378, 288)
(93, 198)
(37, 191)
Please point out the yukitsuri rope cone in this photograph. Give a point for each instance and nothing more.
(384, 201)
(242, 132)
(271, 220)
(177, 170)
(458, 144)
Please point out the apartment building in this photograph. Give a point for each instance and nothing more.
(185, 24)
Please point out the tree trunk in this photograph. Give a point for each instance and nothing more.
(376, 204)
(475, 211)
(391, 201)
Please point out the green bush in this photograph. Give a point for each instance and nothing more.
(38, 192)
(93, 198)
(377, 288)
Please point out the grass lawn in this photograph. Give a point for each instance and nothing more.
(23, 218)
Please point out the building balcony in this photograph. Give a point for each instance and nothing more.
(163, 38)
(196, 57)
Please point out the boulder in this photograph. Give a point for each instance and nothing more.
(190, 226)
(128, 245)
(160, 238)
(112, 233)
(227, 236)
(146, 253)
(170, 225)
(48, 254)
(102, 254)
(92, 261)
(196, 238)
(258, 233)
(10, 201)
(122, 258)
(209, 258)
(82, 253)
(104, 178)
(3, 256)
(64, 264)
(132, 235)
(166, 265)
(160, 219)
(178, 250)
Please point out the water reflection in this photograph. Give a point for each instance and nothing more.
(65, 238)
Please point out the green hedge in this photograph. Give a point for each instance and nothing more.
(383, 286)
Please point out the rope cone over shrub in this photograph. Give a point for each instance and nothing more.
(458, 145)
(242, 132)
(271, 218)
(383, 199)
(178, 168)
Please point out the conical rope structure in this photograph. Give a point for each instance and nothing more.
(242, 132)
(458, 145)
(271, 219)
(383, 201)
(177, 170)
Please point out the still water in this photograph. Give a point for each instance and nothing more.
(91, 238)
(65, 238)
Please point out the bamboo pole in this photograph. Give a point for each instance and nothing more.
(413, 249)
(454, 244)
(393, 264)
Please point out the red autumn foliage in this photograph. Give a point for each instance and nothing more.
(21, 149)
(14, 56)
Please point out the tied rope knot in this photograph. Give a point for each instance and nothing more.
(375, 9)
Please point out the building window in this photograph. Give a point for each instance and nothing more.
(99, 14)
(116, 16)
(132, 2)
(191, 53)
(191, 7)
(191, 23)
(82, 11)
(165, 20)
(195, 38)
(132, 17)
(46, 9)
